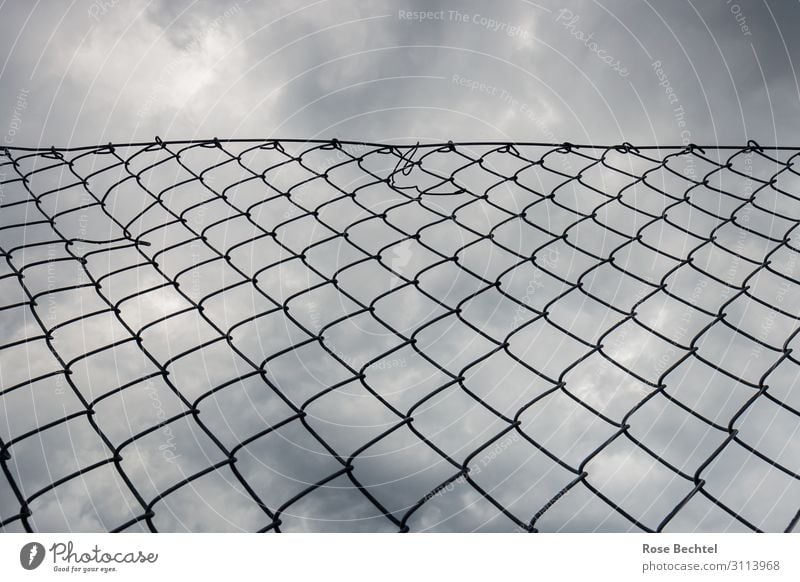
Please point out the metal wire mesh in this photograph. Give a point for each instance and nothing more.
(566, 337)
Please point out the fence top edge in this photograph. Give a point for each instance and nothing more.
(411, 144)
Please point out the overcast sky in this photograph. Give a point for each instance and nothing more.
(122, 70)
(584, 72)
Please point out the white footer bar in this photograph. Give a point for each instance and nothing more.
(417, 557)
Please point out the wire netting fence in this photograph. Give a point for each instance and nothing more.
(288, 335)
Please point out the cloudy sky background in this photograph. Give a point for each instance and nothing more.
(130, 70)
(92, 73)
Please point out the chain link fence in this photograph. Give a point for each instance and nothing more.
(285, 335)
